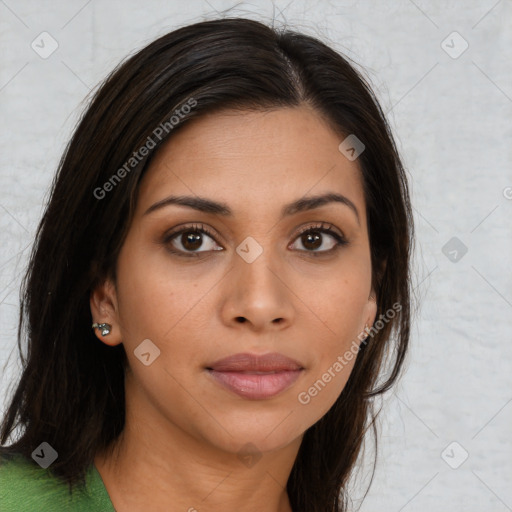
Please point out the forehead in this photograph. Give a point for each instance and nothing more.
(252, 160)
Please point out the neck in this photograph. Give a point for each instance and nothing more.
(156, 465)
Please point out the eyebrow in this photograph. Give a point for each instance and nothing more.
(205, 205)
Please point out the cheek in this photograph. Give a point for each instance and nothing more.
(340, 307)
(162, 304)
(335, 359)
(326, 382)
(148, 302)
(338, 299)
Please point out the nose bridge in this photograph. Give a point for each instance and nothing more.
(258, 292)
(257, 265)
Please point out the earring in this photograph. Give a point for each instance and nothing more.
(105, 328)
(366, 330)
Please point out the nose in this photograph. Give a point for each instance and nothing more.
(258, 295)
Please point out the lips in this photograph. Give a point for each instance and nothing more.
(255, 363)
(254, 376)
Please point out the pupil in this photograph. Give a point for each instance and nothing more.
(312, 239)
(191, 240)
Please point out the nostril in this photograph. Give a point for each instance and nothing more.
(240, 319)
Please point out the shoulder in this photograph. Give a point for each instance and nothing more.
(24, 485)
(27, 487)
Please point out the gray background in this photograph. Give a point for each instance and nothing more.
(451, 112)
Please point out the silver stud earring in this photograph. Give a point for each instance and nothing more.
(105, 328)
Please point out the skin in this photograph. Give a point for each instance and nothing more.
(183, 433)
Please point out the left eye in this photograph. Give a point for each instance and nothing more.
(313, 240)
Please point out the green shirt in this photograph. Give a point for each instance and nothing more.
(27, 487)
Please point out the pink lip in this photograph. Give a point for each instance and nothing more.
(256, 377)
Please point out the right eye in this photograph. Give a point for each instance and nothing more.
(188, 240)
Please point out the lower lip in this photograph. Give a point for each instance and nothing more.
(256, 386)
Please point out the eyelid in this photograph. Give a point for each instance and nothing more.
(319, 226)
(322, 226)
(194, 226)
(326, 228)
(183, 228)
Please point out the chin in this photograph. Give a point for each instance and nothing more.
(262, 434)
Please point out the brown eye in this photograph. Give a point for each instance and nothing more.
(319, 240)
(311, 240)
(190, 241)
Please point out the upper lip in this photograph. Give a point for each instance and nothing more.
(245, 362)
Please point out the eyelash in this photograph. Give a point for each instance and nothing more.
(321, 227)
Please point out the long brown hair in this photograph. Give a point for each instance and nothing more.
(71, 391)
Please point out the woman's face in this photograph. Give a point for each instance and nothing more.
(251, 284)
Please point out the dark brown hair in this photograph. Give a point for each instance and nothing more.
(71, 391)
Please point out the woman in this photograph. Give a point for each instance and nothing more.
(232, 218)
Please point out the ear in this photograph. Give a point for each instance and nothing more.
(104, 309)
(370, 309)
